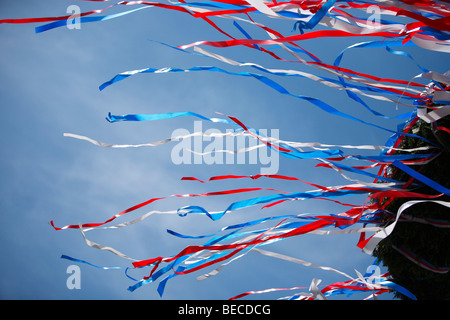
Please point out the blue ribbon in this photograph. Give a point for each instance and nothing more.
(88, 263)
(245, 33)
(238, 227)
(420, 177)
(315, 19)
(274, 85)
(161, 116)
(341, 81)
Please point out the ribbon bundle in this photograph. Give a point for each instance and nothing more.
(428, 28)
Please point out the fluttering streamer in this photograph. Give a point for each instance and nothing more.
(427, 26)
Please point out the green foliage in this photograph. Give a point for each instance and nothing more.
(425, 241)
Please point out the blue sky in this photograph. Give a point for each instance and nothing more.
(49, 86)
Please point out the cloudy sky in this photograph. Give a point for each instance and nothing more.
(50, 86)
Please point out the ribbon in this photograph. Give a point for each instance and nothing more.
(315, 19)
(88, 263)
(420, 177)
(326, 81)
(429, 29)
(63, 22)
(372, 242)
(274, 85)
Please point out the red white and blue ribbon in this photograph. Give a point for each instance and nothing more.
(424, 23)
